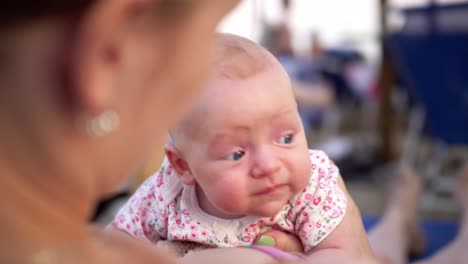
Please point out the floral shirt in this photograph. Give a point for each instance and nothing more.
(163, 208)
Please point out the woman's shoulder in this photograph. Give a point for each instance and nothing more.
(102, 246)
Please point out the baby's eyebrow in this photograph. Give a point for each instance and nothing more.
(283, 113)
(221, 138)
(281, 116)
(216, 143)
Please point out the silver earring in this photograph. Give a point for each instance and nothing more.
(102, 124)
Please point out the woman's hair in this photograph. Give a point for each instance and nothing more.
(16, 12)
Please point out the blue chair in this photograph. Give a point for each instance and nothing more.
(430, 54)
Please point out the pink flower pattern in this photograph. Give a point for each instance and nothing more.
(312, 214)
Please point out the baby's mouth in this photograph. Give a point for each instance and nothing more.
(270, 190)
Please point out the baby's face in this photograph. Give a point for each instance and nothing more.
(250, 155)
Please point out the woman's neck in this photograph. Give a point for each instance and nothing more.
(35, 217)
(45, 195)
(48, 176)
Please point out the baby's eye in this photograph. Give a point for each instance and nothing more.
(236, 155)
(287, 139)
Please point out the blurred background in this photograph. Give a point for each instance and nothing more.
(380, 84)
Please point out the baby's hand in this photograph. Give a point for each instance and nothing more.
(281, 240)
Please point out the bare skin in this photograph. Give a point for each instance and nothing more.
(58, 69)
(349, 236)
(391, 239)
(455, 251)
(52, 172)
(395, 233)
(394, 237)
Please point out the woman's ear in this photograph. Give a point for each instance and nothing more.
(179, 164)
(96, 54)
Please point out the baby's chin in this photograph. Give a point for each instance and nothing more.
(268, 209)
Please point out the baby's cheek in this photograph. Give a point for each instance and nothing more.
(303, 171)
(231, 196)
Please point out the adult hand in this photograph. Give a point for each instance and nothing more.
(281, 240)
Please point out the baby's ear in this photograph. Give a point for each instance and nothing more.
(179, 164)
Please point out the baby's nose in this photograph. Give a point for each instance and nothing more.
(265, 165)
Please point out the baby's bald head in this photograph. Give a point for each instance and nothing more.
(236, 59)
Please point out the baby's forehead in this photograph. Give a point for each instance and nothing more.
(237, 61)
(226, 99)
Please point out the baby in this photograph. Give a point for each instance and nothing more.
(237, 164)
